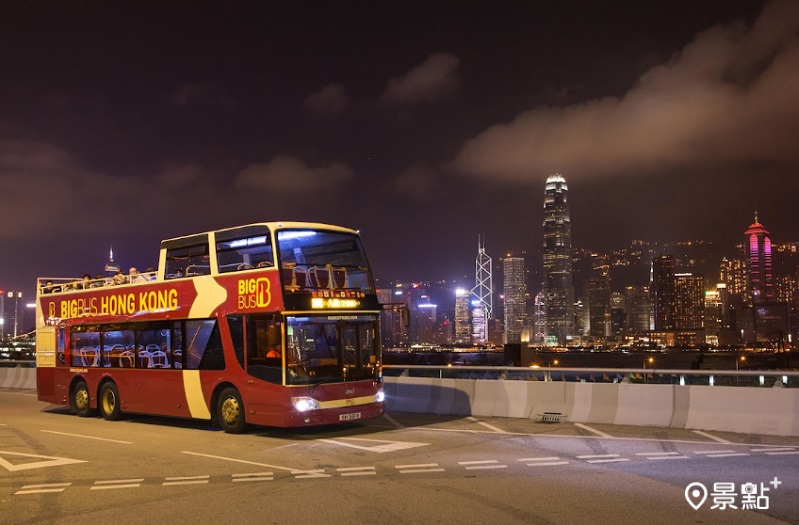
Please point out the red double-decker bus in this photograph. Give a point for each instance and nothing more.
(267, 324)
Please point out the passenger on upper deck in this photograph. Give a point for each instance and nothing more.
(135, 277)
(48, 287)
(120, 278)
(99, 281)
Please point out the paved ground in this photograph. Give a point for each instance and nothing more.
(403, 468)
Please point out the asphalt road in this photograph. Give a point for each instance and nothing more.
(403, 468)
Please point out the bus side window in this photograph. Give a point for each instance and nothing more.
(204, 346)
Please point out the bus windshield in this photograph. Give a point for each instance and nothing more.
(317, 259)
(328, 349)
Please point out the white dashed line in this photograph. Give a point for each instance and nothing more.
(357, 471)
(186, 480)
(117, 484)
(782, 453)
(418, 469)
(309, 474)
(544, 462)
(734, 454)
(253, 476)
(482, 465)
(714, 451)
(43, 488)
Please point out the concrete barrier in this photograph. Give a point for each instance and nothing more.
(18, 378)
(769, 411)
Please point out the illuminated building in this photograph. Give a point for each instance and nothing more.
(514, 287)
(599, 300)
(484, 287)
(761, 278)
(463, 328)
(663, 292)
(479, 328)
(714, 315)
(558, 285)
(689, 307)
(12, 312)
(638, 302)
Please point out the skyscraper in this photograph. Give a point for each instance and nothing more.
(483, 288)
(514, 288)
(761, 278)
(663, 294)
(463, 328)
(558, 284)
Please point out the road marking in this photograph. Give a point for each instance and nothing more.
(487, 464)
(88, 437)
(420, 468)
(598, 456)
(52, 461)
(117, 484)
(237, 460)
(783, 453)
(659, 456)
(595, 431)
(714, 451)
(603, 458)
(186, 480)
(357, 471)
(544, 462)
(308, 474)
(488, 426)
(616, 460)
(393, 421)
(734, 454)
(774, 449)
(387, 446)
(711, 436)
(254, 476)
(42, 488)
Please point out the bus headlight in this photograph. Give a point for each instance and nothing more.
(380, 396)
(304, 404)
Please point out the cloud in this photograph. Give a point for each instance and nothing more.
(330, 100)
(434, 79)
(285, 173)
(727, 98)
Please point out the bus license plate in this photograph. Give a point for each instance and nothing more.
(349, 417)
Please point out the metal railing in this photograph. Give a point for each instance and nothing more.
(748, 378)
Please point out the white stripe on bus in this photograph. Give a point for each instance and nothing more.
(194, 395)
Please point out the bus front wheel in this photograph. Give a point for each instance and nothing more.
(230, 411)
(109, 402)
(79, 400)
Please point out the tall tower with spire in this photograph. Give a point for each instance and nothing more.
(111, 267)
(484, 288)
(761, 277)
(558, 284)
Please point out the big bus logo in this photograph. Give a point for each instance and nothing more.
(254, 293)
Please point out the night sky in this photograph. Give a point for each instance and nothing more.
(422, 124)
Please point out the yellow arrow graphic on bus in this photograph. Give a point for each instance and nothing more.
(210, 295)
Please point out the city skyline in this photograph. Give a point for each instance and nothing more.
(421, 127)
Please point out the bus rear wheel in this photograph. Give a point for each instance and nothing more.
(230, 411)
(79, 400)
(109, 402)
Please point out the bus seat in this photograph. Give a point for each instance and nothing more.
(159, 359)
(320, 277)
(89, 356)
(338, 277)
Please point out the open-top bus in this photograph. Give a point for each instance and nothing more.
(268, 324)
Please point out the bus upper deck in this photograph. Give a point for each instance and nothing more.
(320, 266)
